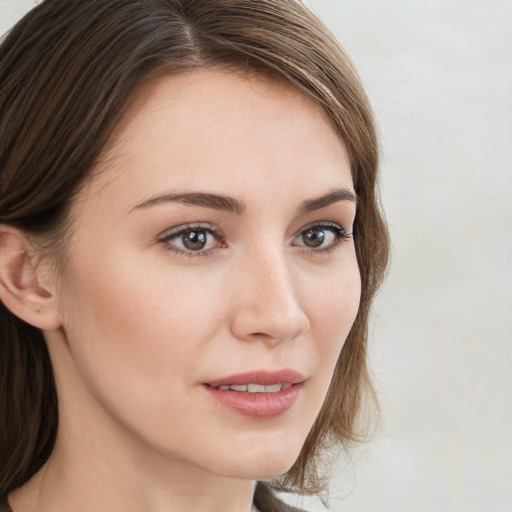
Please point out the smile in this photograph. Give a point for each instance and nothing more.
(255, 388)
(259, 395)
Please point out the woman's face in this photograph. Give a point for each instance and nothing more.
(213, 249)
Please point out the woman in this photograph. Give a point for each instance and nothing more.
(189, 244)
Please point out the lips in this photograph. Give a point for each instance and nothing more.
(258, 394)
(255, 388)
(262, 377)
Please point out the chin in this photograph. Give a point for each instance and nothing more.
(258, 470)
(260, 462)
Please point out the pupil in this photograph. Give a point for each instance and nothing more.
(314, 237)
(194, 240)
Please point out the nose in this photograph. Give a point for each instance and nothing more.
(266, 301)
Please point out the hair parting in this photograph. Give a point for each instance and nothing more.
(68, 73)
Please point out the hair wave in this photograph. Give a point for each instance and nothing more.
(68, 71)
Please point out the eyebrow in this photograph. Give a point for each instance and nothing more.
(334, 196)
(214, 201)
(233, 205)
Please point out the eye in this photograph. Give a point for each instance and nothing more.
(192, 240)
(321, 237)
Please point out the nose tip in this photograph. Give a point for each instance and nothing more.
(269, 327)
(269, 308)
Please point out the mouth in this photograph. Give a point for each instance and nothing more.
(254, 378)
(258, 395)
(254, 388)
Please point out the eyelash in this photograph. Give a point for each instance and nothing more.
(340, 235)
(339, 232)
(166, 239)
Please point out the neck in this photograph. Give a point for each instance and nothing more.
(66, 483)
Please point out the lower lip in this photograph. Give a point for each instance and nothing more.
(257, 405)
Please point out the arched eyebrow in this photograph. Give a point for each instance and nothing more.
(237, 206)
(214, 201)
(335, 195)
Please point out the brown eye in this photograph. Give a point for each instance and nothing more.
(194, 240)
(314, 237)
(321, 237)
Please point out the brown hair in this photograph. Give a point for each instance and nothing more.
(67, 73)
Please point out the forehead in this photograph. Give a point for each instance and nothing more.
(215, 129)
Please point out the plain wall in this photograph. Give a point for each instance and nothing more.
(439, 74)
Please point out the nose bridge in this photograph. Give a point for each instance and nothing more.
(268, 302)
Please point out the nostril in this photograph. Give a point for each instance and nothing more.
(266, 306)
(269, 329)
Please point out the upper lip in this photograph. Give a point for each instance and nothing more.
(263, 377)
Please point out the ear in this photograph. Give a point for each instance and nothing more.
(21, 288)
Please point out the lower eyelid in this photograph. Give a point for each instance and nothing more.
(166, 240)
(339, 232)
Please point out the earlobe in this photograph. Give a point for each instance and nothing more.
(20, 289)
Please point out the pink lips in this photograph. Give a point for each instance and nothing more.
(258, 405)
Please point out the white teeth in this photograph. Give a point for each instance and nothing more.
(274, 388)
(237, 387)
(256, 388)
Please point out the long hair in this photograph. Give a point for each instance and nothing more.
(68, 71)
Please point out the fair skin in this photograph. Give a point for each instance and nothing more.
(142, 319)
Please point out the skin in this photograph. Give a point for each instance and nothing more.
(140, 327)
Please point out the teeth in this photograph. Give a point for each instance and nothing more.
(274, 388)
(256, 388)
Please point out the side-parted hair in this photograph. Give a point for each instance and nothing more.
(68, 72)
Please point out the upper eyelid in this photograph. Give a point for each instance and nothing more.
(167, 236)
(176, 231)
(325, 224)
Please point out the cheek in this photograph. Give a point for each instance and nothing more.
(136, 320)
(136, 333)
(333, 304)
(336, 303)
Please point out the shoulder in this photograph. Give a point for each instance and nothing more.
(266, 501)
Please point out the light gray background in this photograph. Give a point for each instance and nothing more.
(439, 74)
